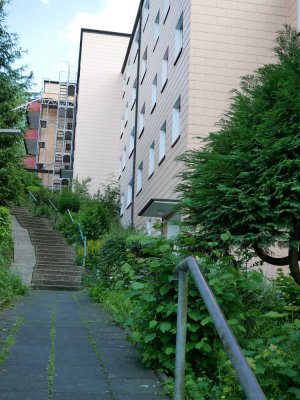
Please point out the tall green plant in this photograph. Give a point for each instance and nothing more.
(245, 182)
(14, 84)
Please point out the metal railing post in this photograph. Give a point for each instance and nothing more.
(84, 252)
(244, 373)
(181, 335)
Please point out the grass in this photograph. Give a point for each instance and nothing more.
(10, 340)
(51, 362)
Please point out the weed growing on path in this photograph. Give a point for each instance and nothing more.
(10, 340)
(51, 362)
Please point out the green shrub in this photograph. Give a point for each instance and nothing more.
(94, 218)
(263, 315)
(67, 200)
(93, 249)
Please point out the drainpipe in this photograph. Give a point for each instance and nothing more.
(136, 113)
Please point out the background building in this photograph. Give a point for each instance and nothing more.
(54, 156)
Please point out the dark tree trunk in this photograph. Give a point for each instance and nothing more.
(279, 262)
(293, 253)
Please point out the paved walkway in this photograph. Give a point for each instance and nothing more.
(63, 347)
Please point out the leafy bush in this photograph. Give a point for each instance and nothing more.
(245, 180)
(67, 200)
(93, 249)
(263, 315)
(94, 218)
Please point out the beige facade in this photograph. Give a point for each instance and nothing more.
(99, 106)
(137, 113)
(222, 41)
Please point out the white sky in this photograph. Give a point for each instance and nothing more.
(50, 29)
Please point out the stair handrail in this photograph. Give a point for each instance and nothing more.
(244, 373)
(83, 237)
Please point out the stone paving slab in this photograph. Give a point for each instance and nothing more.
(92, 358)
(5, 395)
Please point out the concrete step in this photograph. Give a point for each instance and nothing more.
(57, 275)
(53, 281)
(56, 265)
(57, 272)
(55, 287)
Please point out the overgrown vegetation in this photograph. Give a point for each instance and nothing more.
(140, 291)
(14, 84)
(246, 180)
(10, 285)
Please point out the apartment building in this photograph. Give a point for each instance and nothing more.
(54, 155)
(170, 88)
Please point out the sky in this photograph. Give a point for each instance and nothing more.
(50, 29)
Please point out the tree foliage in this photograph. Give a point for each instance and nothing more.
(246, 178)
(14, 84)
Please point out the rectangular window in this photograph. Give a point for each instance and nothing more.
(136, 43)
(153, 93)
(124, 158)
(139, 178)
(122, 125)
(178, 38)
(129, 193)
(142, 120)
(128, 71)
(156, 29)
(176, 120)
(144, 63)
(146, 10)
(151, 159)
(122, 202)
(166, 8)
(162, 141)
(126, 114)
(124, 85)
(120, 166)
(131, 142)
(149, 226)
(164, 70)
(133, 93)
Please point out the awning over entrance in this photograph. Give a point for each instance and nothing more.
(159, 208)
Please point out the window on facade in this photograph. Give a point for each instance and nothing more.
(124, 158)
(124, 84)
(176, 120)
(154, 93)
(149, 225)
(162, 141)
(122, 202)
(133, 93)
(126, 114)
(120, 166)
(166, 8)
(151, 159)
(129, 193)
(128, 71)
(146, 10)
(156, 29)
(122, 126)
(178, 38)
(131, 141)
(139, 178)
(164, 69)
(142, 120)
(136, 43)
(144, 63)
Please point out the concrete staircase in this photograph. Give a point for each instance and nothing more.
(55, 260)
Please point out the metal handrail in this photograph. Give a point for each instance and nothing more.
(244, 373)
(83, 237)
